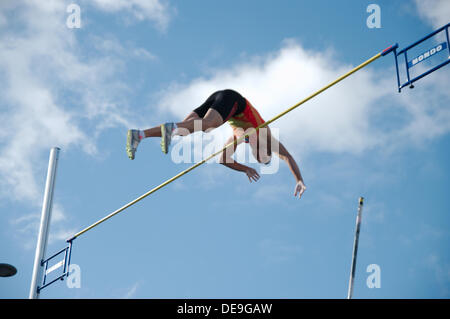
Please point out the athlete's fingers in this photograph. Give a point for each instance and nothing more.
(254, 175)
(299, 189)
(301, 192)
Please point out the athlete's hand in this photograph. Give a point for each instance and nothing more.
(299, 189)
(252, 174)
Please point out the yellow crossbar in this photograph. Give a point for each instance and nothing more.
(225, 147)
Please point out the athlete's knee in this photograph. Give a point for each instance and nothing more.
(212, 119)
(192, 116)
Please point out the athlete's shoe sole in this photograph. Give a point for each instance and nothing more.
(132, 143)
(166, 136)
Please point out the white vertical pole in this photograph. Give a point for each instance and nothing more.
(45, 222)
(355, 249)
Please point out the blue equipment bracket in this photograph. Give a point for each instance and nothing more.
(65, 263)
(409, 64)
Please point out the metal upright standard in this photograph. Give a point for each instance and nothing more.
(355, 249)
(45, 222)
(41, 268)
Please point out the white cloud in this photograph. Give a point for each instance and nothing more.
(113, 46)
(435, 12)
(356, 115)
(36, 63)
(157, 11)
(132, 291)
(142, 53)
(50, 96)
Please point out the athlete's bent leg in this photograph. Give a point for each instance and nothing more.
(192, 116)
(212, 119)
(191, 123)
(156, 131)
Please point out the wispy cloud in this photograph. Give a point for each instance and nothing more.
(53, 95)
(435, 12)
(109, 45)
(131, 292)
(158, 11)
(26, 225)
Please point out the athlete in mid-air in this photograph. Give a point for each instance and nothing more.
(224, 106)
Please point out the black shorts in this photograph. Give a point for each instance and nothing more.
(227, 102)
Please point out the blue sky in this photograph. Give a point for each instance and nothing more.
(212, 234)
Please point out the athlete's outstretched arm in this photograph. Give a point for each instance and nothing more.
(227, 160)
(287, 157)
